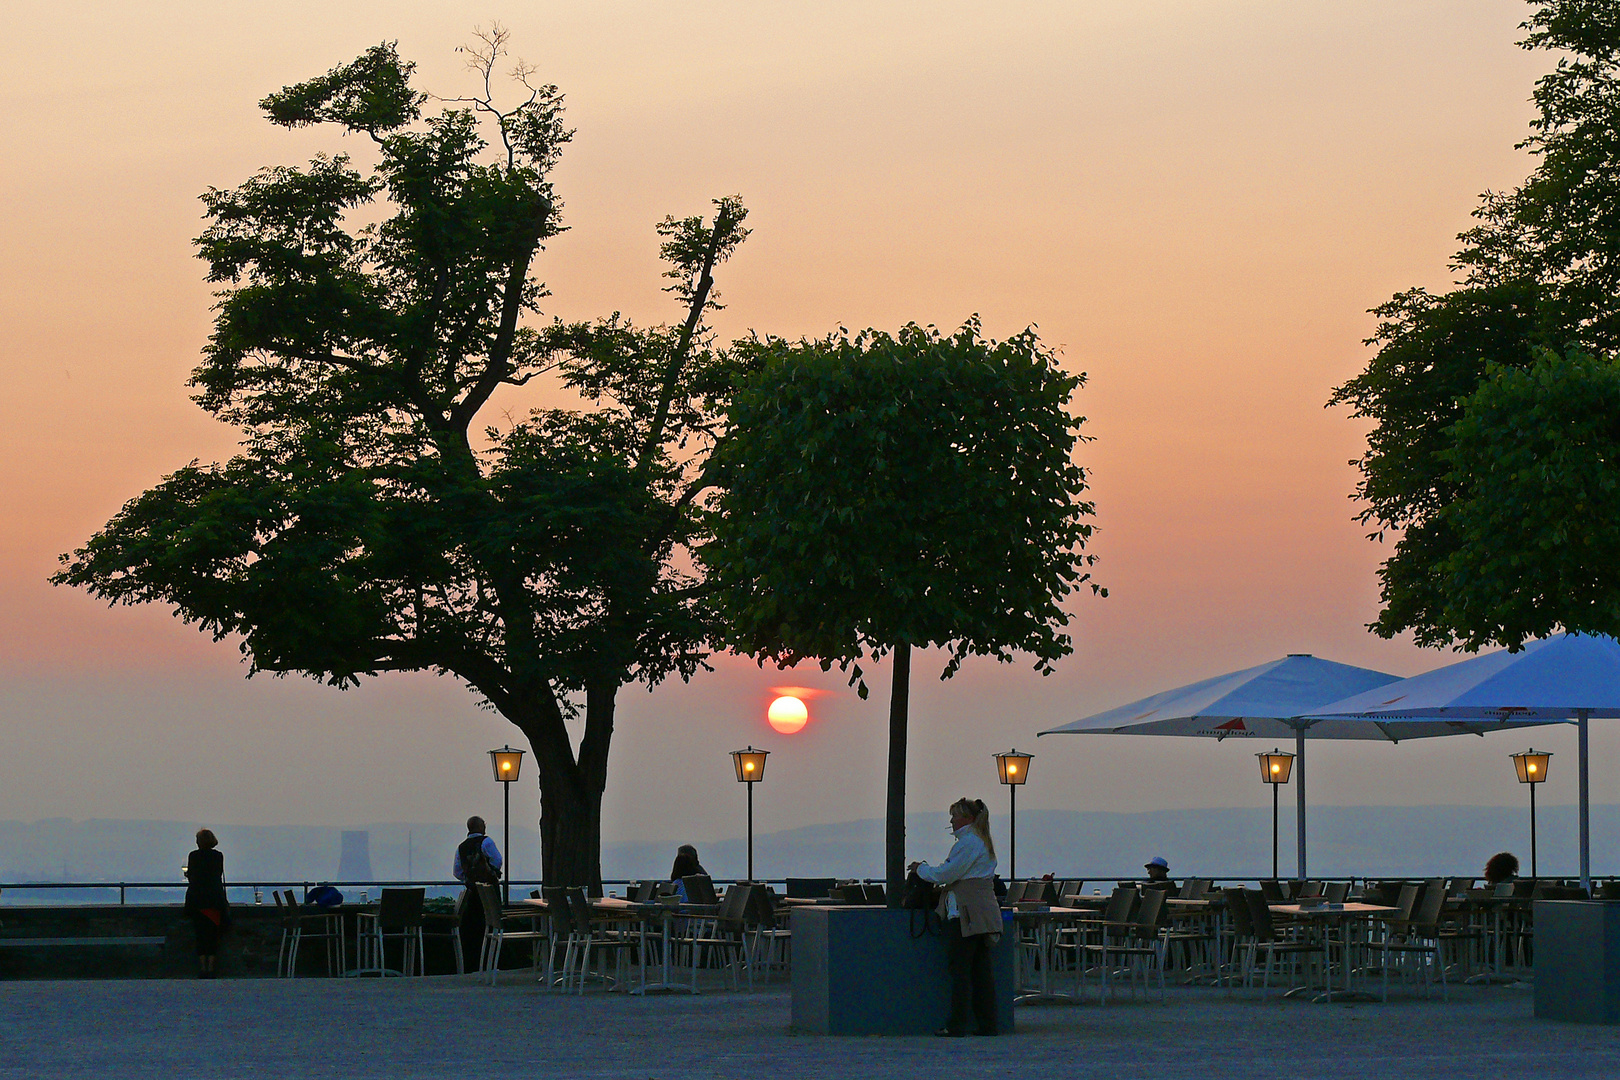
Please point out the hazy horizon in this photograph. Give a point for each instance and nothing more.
(1196, 202)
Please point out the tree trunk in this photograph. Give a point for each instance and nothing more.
(571, 787)
(894, 825)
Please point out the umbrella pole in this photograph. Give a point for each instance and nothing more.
(1586, 833)
(1299, 797)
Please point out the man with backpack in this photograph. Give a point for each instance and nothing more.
(477, 862)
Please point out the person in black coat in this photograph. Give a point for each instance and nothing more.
(206, 904)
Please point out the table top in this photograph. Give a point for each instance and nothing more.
(1345, 910)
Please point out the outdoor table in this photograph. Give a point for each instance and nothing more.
(1044, 920)
(1322, 915)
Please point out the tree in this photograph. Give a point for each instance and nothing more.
(1535, 461)
(364, 528)
(1541, 271)
(885, 492)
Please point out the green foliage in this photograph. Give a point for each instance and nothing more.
(1535, 458)
(362, 528)
(1542, 273)
(913, 489)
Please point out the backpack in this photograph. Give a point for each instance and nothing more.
(476, 869)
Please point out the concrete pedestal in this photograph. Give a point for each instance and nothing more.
(1577, 961)
(858, 971)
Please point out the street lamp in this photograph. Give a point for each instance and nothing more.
(750, 765)
(1275, 769)
(1013, 768)
(1532, 769)
(507, 763)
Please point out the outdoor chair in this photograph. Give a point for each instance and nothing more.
(1239, 946)
(299, 924)
(1137, 942)
(812, 888)
(773, 941)
(1272, 890)
(700, 889)
(1268, 936)
(645, 891)
(873, 892)
(726, 936)
(1073, 941)
(1419, 936)
(853, 893)
(399, 916)
(593, 937)
(502, 925)
(1309, 890)
(1336, 892)
(446, 924)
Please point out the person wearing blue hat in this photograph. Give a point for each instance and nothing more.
(1158, 870)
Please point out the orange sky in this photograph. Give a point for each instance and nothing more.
(1197, 200)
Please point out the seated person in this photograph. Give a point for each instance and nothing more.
(1158, 872)
(1501, 867)
(686, 865)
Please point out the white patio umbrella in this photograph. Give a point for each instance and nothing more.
(1567, 677)
(1270, 702)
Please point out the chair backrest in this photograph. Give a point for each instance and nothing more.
(401, 909)
(810, 888)
(874, 893)
(1427, 917)
(490, 897)
(761, 907)
(645, 892)
(850, 894)
(1237, 910)
(1309, 889)
(1149, 911)
(1271, 889)
(579, 910)
(1121, 904)
(1407, 901)
(734, 906)
(1040, 891)
(1336, 891)
(1015, 892)
(1070, 888)
(1459, 886)
(1524, 887)
(556, 898)
(1259, 915)
(700, 889)
(1191, 889)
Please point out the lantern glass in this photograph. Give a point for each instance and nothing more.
(1013, 767)
(507, 763)
(1531, 766)
(750, 765)
(1276, 767)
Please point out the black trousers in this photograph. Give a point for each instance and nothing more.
(973, 981)
(472, 929)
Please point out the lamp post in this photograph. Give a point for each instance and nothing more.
(507, 763)
(1013, 768)
(1275, 768)
(1532, 769)
(750, 766)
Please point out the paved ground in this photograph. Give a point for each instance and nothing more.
(454, 1028)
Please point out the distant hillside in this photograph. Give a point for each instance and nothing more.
(1345, 840)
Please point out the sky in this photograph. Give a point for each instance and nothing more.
(1196, 201)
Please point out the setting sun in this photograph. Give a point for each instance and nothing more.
(787, 715)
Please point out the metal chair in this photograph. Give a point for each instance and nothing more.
(399, 915)
(497, 932)
(296, 923)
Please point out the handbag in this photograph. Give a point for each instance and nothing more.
(919, 895)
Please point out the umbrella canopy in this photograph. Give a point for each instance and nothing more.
(1570, 676)
(1272, 701)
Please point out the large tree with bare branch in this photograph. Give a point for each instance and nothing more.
(374, 520)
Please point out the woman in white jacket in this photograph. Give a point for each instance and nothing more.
(972, 917)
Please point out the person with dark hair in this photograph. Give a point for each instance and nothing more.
(206, 904)
(972, 918)
(1501, 867)
(686, 865)
(477, 862)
